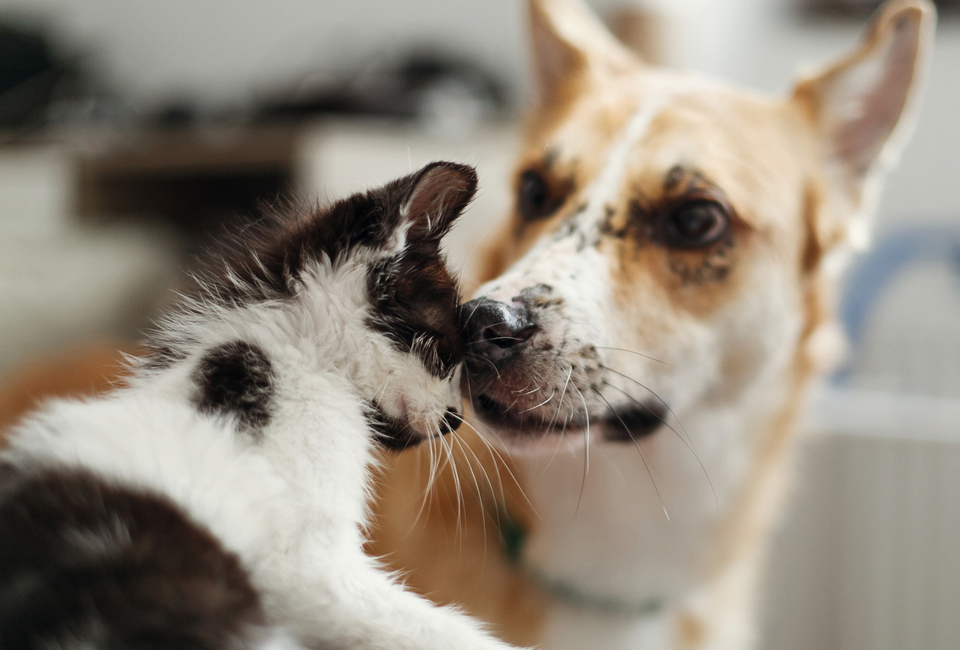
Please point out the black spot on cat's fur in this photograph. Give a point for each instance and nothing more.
(85, 563)
(236, 379)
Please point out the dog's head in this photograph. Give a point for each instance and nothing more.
(672, 235)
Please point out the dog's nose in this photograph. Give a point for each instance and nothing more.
(495, 331)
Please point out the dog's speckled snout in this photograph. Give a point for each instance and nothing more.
(495, 332)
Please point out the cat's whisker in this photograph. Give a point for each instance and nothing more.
(462, 446)
(451, 460)
(500, 461)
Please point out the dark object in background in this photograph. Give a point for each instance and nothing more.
(859, 8)
(425, 86)
(30, 76)
(196, 180)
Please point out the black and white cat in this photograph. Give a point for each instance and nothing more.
(219, 500)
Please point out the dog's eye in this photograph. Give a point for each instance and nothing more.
(533, 196)
(697, 224)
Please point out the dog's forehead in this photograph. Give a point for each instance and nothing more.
(756, 150)
(749, 149)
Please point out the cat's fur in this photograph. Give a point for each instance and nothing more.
(219, 500)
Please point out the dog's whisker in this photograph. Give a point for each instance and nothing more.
(676, 433)
(639, 354)
(499, 338)
(482, 358)
(652, 392)
(532, 408)
(586, 450)
(643, 456)
(560, 403)
(529, 392)
(557, 447)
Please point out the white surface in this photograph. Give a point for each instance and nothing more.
(849, 412)
(35, 192)
(61, 284)
(867, 557)
(70, 289)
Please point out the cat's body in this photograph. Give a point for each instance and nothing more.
(219, 500)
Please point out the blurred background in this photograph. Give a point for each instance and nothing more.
(131, 132)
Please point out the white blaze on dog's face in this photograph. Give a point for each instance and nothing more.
(669, 237)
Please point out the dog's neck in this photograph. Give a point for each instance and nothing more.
(621, 545)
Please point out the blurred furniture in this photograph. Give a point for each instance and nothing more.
(867, 558)
(196, 179)
(200, 179)
(96, 226)
(860, 8)
(60, 283)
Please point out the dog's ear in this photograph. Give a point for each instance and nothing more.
(863, 105)
(569, 41)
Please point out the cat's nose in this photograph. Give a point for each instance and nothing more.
(495, 332)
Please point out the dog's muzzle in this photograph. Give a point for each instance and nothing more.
(495, 333)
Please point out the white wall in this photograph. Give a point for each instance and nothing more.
(223, 52)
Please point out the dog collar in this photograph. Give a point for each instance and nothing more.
(513, 539)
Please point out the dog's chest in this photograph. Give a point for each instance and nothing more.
(571, 628)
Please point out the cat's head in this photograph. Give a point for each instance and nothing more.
(360, 287)
(411, 381)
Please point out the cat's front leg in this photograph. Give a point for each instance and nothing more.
(358, 606)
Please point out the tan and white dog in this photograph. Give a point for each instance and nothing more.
(656, 308)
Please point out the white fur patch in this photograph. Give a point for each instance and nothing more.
(611, 177)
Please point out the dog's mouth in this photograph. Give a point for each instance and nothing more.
(627, 423)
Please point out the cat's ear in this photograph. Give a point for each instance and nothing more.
(434, 198)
